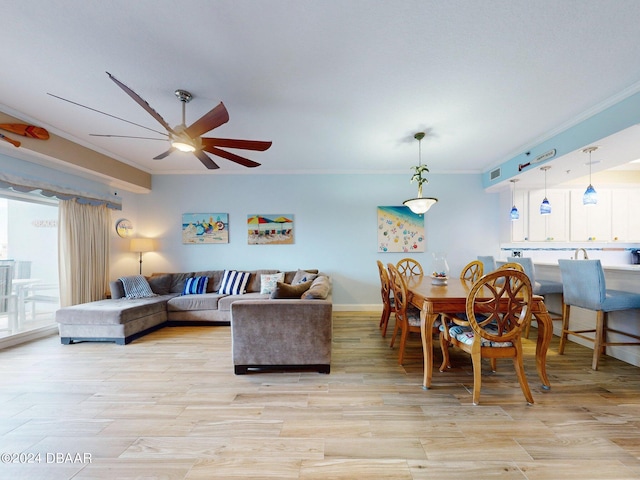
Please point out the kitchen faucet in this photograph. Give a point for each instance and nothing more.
(575, 255)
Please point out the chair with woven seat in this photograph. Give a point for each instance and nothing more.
(512, 265)
(472, 271)
(388, 304)
(461, 316)
(407, 315)
(540, 287)
(585, 287)
(498, 308)
(409, 266)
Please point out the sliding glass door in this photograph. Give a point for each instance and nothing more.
(29, 293)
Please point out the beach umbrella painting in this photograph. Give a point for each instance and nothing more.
(271, 229)
(282, 221)
(258, 222)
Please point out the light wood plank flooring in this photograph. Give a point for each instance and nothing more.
(168, 406)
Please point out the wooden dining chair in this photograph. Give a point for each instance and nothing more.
(498, 308)
(512, 265)
(409, 266)
(388, 304)
(407, 315)
(472, 271)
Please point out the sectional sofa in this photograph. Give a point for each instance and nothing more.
(278, 319)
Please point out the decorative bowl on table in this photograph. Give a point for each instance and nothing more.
(439, 278)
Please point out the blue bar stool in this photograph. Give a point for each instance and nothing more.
(584, 287)
(540, 287)
(488, 262)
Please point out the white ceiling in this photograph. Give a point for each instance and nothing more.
(337, 85)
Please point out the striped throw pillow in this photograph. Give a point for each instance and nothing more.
(195, 285)
(234, 282)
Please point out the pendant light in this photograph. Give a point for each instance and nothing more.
(545, 206)
(515, 215)
(420, 204)
(590, 196)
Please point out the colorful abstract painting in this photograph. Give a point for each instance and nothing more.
(200, 228)
(400, 230)
(276, 229)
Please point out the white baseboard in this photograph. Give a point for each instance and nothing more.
(24, 337)
(357, 308)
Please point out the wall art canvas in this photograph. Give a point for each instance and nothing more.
(400, 230)
(276, 229)
(203, 228)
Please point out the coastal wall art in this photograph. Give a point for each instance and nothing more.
(204, 228)
(276, 229)
(400, 230)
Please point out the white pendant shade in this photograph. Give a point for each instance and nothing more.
(420, 205)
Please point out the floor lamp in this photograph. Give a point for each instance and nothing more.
(141, 245)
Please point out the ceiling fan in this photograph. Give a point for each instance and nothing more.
(188, 138)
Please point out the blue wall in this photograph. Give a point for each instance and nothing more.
(335, 225)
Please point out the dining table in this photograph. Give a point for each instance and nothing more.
(434, 299)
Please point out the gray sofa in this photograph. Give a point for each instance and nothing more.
(289, 327)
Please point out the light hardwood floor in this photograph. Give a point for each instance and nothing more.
(168, 406)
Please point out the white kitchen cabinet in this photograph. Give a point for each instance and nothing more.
(552, 227)
(625, 221)
(590, 222)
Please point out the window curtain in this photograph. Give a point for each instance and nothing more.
(83, 252)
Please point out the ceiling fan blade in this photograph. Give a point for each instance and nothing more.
(125, 136)
(231, 143)
(206, 161)
(213, 119)
(165, 154)
(232, 156)
(140, 101)
(104, 113)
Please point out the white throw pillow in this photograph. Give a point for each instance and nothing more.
(268, 282)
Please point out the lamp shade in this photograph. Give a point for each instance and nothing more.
(420, 205)
(590, 196)
(545, 207)
(142, 245)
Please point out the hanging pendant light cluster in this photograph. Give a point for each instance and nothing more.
(420, 204)
(514, 214)
(545, 206)
(590, 196)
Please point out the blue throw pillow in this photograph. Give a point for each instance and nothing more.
(195, 285)
(234, 282)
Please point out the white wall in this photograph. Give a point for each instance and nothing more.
(335, 225)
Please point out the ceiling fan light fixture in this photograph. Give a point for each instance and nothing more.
(182, 146)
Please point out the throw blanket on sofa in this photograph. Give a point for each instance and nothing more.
(136, 286)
